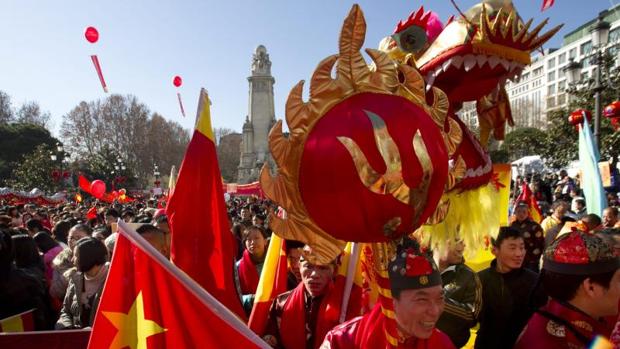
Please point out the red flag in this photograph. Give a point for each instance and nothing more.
(202, 243)
(149, 302)
(546, 4)
(528, 198)
(84, 183)
(18, 323)
(92, 213)
(66, 339)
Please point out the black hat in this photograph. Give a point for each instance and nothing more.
(412, 269)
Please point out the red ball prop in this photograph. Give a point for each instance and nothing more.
(177, 81)
(612, 110)
(97, 188)
(91, 34)
(576, 117)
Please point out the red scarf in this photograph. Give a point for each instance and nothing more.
(248, 277)
(371, 334)
(293, 331)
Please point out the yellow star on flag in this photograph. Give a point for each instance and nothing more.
(133, 328)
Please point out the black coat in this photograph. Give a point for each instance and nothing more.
(508, 301)
(463, 294)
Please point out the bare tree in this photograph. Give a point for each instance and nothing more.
(30, 113)
(6, 110)
(220, 132)
(228, 154)
(126, 126)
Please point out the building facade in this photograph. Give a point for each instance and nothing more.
(260, 118)
(542, 85)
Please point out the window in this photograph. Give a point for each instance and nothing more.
(561, 73)
(561, 86)
(614, 35)
(551, 89)
(550, 102)
(572, 53)
(538, 71)
(562, 58)
(551, 63)
(525, 76)
(551, 76)
(585, 62)
(585, 48)
(561, 98)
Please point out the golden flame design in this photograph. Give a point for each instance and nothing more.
(353, 76)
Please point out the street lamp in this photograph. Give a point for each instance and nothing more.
(600, 37)
(573, 72)
(156, 174)
(63, 160)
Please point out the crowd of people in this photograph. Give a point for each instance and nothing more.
(551, 285)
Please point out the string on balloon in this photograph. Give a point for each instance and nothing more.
(92, 36)
(177, 82)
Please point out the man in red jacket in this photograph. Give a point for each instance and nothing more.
(418, 301)
(581, 275)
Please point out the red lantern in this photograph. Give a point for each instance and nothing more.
(177, 81)
(615, 123)
(91, 34)
(576, 117)
(56, 175)
(97, 188)
(66, 174)
(612, 111)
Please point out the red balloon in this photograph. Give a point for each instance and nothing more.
(177, 81)
(91, 34)
(97, 188)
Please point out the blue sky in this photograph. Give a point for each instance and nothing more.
(143, 44)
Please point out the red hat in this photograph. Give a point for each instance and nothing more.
(579, 253)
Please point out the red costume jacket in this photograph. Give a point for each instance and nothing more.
(367, 332)
(560, 325)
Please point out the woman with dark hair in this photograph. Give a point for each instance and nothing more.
(60, 232)
(85, 286)
(27, 256)
(250, 266)
(50, 249)
(19, 291)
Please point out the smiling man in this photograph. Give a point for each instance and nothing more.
(507, 288)
(418, 300)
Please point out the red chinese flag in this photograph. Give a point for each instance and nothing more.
(202, 243)
(546, 4)
(527, 197)
(92, 213)
(147, 302)
(84, 184)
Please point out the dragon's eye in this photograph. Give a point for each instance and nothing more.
(411, 40)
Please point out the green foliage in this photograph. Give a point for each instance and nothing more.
(101, 166)
(17, 140)
(35, 171)
(562, 140)
(524, 141)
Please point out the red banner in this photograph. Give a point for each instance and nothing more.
(70, 339)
